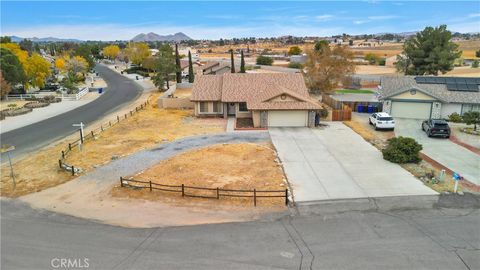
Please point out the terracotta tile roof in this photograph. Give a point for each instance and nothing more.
(256, 89)
(207, 88)
(209, 65)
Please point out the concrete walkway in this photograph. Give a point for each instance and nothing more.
(445, 152)
(230, 124)
(88, 195)
(336, 163)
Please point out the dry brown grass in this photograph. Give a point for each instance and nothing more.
(184, 92)
(228, 166)
(149, 127)
(19, 103)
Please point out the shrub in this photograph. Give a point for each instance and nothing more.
(264, 60)
(455, 118)
(323, 113)
(402, 150)
(381, 61)
(475, 64)
(295, 65)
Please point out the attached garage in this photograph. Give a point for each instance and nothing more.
(415, 110)
(287, 118)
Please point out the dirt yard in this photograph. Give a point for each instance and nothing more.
(423, 170)
(145, 129)
(17, 103)
(184, 92)
(228, 166)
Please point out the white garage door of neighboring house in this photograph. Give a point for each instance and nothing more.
(415, 110)
(287, 118)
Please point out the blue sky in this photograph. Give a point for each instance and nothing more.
(213, 20)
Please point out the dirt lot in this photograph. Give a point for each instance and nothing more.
(186, 92)
(145, 129)
(421, 170)
(19, 103)
(227, 166)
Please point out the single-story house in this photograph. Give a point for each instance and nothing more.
(424, 97)
(270, 99)
(184, 65)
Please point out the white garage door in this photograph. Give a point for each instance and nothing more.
(415, 110)
(287, 118)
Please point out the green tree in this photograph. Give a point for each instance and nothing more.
(26, 45)
(371, 58)
(232, 63)
(475, 64)
(472, 117)
(178, 74)
(477, 53)
(319, 45)
(264, 60)
(85, 51)
(242, 63)
(12, 69)
(165, 66)
(191, 75)
(5, 86)
(5, 39)
(430, 51)
(295, 50)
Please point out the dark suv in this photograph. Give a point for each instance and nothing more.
(436, 127)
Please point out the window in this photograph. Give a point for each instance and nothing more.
(203, 107)
(470, 107)
(217, 107)
(242, 107)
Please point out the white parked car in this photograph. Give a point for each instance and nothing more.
(381, 120)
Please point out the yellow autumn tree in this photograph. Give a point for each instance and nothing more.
(15, 49)
(137, 52)
(60, 63)
(111, 51)
(37, 69)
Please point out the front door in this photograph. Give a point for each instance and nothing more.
(231, 109)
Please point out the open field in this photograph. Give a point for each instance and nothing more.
(243, 166)
(145, 129)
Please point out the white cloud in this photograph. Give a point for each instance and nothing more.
(381, 18)
(360, 22)
(324, 17)
(474, 15)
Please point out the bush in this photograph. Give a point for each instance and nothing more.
(475, 64)
(323, 113)
(402, 150)
(381, 61)
(455, 118)
(264, 60)
(295, 65)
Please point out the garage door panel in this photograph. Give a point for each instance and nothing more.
(414, 110)
(287, 118)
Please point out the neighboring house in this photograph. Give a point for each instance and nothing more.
(424, 97)
(184, 68)
(270, 99)
(220, 70)
(208, 67)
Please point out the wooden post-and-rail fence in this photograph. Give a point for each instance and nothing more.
(215, 193)
(91, 135)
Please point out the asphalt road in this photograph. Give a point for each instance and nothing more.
(443, 237)
(119, 92)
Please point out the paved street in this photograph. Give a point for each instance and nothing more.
(445, 237)
(120, 91)
(336, 163)
(445, 152)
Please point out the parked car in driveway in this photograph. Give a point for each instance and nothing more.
(381, 120)
(436, 127)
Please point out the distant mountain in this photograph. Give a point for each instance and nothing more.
(156, 37)
(47, 39)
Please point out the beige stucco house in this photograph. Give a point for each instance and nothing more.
(425, 97)
(270, 99)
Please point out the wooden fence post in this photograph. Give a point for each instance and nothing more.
(118, 119)
(60, 163)
(92, 134)
(101, 128)
(183, 190)
(125, 116)
(69, 146)
(73, 170)
(218, 194)
(109, 123)
(63, 154)
(286, 196)
(150, 186)
(131, 113)
(254, 197)
(121, 181)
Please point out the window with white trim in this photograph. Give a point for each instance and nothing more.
(470, 107)
(203, 107)
(217, 107)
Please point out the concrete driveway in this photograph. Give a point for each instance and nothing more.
(445, 152)
(336, 163)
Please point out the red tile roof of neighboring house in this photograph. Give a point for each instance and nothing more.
(256, 89)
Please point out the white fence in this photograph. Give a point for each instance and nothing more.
(76, 96)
